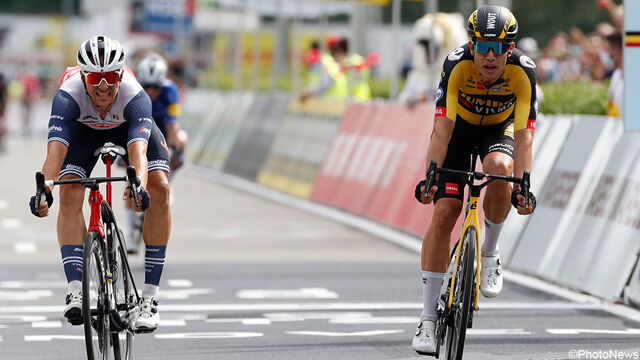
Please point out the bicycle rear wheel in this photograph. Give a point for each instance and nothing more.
(462, 298)
(124, 298)
(94, 295)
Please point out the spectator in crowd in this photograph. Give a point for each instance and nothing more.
(31, 92)
(615, 96)
(312, 60)
(615, 11)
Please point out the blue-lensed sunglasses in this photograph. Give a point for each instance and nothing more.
(497, 47)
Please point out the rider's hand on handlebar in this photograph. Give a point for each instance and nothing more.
(420, 192)
(43, 207)
(517, 200)
(143, 195)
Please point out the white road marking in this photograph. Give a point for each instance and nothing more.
(301, 316)
(256, 322)
(47, 324)
(376, 320)
(336, 306)
(183, 294)
(4, 204)
(593, 331)
(345, 334)
(54, 284)
(487, 332)
(15, 319)
(11, 223)
(180, 283)
(172, 322)
(245, 321)
(52, 337)
(24, 295)
(24, 247)
(2, 326)
(302, 293)
(209, 335)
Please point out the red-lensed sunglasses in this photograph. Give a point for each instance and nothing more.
(96, 78)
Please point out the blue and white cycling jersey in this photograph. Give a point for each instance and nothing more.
(166, 108)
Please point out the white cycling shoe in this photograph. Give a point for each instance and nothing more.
(490, 276)
(148, 318)
(73, 308)
(424, 340)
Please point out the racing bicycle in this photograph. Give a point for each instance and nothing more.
(458, 297)
(109, 294)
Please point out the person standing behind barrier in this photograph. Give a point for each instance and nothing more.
(312, 60)
(333, 81)
(487, 100)
(615, 96)
(358, 72)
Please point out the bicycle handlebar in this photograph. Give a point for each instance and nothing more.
(524, 181)
(88, 182)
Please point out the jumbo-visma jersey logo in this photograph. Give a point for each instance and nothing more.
(486, 104)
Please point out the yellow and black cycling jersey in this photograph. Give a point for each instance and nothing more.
(462, 96)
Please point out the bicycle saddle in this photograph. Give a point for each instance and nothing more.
(110, 148)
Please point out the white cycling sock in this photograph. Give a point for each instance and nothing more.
(431, 285)
(149, 290)
(74, 286)
(491, 235)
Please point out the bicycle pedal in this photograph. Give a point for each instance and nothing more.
(143, 330)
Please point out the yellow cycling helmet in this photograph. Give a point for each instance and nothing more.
(493, 22)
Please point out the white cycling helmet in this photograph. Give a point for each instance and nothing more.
(100, 54)
(152, 70)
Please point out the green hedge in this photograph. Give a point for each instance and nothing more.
(574, 98)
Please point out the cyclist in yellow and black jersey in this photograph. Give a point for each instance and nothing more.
(463, 96)
(486, 99)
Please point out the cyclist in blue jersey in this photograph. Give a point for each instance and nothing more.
(100, 101)
(152, 75)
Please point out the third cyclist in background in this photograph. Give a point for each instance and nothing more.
(152, 75)
(486, 99)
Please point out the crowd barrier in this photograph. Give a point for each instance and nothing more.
(365, 158)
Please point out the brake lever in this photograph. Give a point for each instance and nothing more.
(39, 187)
(431, 175)
(526, 182)
(134, 181)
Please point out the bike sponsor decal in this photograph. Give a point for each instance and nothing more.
(452, 188)
(441, 111)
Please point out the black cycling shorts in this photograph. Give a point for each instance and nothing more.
(83, 141)
(465, 136)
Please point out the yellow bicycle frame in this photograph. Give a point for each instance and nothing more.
(470, 220)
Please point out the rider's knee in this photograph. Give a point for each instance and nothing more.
(446, 213)
(71, 197)
(499, 165)
(159, 189)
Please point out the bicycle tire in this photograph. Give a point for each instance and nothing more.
(94, 295)
(124, 298)
(457, 329)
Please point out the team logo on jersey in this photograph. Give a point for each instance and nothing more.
(53, 128)
(496, 88)
(115, 116)
(527, 62)
(439, 94)
(456, 54)
(535, 106)
(145, 130)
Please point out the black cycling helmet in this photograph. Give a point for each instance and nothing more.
(492, 22)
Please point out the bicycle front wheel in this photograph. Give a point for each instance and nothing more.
(462, 298)
(94, 295)
(125, 300)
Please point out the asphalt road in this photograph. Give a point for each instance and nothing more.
(248, 278)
